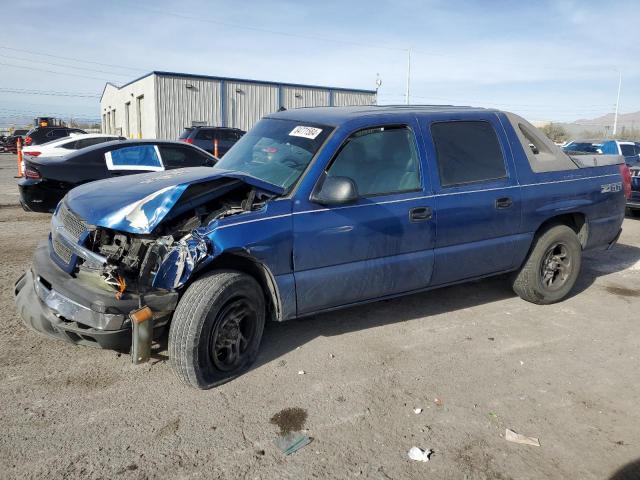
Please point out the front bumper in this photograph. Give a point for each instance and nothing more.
(56, 304)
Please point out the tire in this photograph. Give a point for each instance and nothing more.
(634, 212)
(552, 267)
(216, 329)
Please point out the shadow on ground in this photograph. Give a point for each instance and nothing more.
(631, 471)
(280, 338)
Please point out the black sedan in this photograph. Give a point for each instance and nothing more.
(47, 180)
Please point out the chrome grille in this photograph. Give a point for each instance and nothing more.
(72, 223)
(61, 250)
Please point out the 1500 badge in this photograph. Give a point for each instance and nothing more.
(611, 187)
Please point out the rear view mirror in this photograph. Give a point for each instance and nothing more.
(336, 191)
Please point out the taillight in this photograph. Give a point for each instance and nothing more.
(32, 154)
(28, 140)
(32, 174)
(625, 173)
(187, 140)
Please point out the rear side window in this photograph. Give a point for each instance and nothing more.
(140, 157)
(205, 134)
(380, 161)
(186, 133)
(467, 152)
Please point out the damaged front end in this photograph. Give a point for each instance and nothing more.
(167, 257)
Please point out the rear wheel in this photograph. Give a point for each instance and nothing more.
(552, 267)
(216, 329)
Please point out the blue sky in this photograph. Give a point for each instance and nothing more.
(547, 60)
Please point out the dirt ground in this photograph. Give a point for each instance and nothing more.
(566, 373)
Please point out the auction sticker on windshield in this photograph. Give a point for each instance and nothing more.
(305, 132)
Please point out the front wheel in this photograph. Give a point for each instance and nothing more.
(216, 328)
(552, 267)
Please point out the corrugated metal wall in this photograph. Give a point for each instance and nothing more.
(344, 98)
(173, 102)
(182, 101)
(246, 103)
(294, 97)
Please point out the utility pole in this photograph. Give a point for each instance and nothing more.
(615, 117)
(408, 75)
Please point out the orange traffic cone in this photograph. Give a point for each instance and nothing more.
(19, 152)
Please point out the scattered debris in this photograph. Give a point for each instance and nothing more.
(438, 401)
(514, 437)
(419, 455)
(493, 414)
(521, 362)
(301, 372)
(417, 411)
(491, 338)
(290, 420)
(292, 442)
(331, 355)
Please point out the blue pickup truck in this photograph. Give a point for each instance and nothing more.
(313, 210)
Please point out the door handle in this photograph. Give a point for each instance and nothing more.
(504, 202)
(420, 214)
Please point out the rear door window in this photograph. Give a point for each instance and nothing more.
(179, 157)
(467, 152)
(139, 157)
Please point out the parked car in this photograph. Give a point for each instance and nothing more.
(66, 145)
(583, 146)
(352, 205)
(48, 179)
(204, 137)
(11, 143)
(633, 203)
(40, 135)
(629, 150)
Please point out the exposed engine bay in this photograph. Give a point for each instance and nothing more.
(166, 258)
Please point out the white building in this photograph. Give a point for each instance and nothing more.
(162, 104)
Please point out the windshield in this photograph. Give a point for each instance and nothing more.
(276, 151)
(581, 147)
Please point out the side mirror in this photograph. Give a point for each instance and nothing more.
(336, 191)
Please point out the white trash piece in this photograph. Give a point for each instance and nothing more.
(511, 436)
(417, 411)
(419, 455)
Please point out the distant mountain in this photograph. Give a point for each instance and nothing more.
(629, 120)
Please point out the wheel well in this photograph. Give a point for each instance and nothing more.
(576, 221)
(251, 267)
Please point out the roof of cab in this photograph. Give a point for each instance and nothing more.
(338, 115)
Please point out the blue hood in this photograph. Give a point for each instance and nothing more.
(138, 203)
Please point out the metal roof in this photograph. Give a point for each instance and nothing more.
(233, 79)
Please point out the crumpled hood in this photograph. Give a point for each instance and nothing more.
(138, 203)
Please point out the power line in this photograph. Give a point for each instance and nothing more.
(69, 74)
(266, 30)
(52, 93)
(64, 65)
(73, 59)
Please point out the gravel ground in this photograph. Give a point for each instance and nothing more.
(565, 373)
